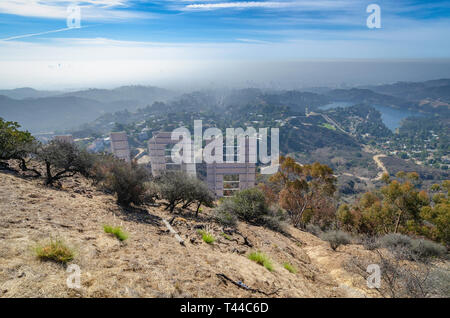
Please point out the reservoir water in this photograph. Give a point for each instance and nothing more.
(391, 117)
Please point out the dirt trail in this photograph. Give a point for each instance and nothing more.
(380, 165)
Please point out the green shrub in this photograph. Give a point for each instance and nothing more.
(207, 237)
(424, 249)
(224, 215)
(275, 219)
(398, 244)
(261, 259)
(395, 241)
(250, 206)
(313, 229)
(405, 247)
(336, 238)
(55, 250)
(130, 182)
(369, 242)
(438, 283)
(116, 231)
(290, 267)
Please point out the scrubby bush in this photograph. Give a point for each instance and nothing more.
(400, 279)
(405, 247)
(198, 193)
(130, 182)
(224, 215)
(424, 249)
(438, 283)
(116, 231)
(151, 192)
(55, 250)
(369, 242)
(177, 187)
(261, 259)
(396, 242)
(313, 229)
(250, 206)
(102, 167)
(336, 238)
(63, 159)
(275, 219)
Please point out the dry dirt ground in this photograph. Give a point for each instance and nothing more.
(151, 263)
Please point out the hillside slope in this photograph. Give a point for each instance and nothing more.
(151, 263)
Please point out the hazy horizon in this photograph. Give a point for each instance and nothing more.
(228, 74)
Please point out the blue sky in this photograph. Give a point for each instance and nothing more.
(213, 21)
(177, 30)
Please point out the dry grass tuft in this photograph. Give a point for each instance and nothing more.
(55, 250)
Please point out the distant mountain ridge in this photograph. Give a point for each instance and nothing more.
(27, 92)
(140, 95)
(416, 91)
(48, 111)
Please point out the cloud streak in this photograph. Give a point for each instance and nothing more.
(247, 4)
(35, 34)
(267, 5)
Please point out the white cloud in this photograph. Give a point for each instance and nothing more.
(57, 9)
(249, 4)
(319, 4)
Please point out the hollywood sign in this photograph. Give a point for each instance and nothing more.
(188, 150)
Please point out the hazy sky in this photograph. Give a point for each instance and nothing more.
(214, 42)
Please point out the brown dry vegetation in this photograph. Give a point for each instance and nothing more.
(151, 263)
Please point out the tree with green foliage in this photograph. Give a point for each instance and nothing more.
(302, 188)
(345, 217)
(438, 215)
(400, 207)
(15, 144)
(394, 208)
